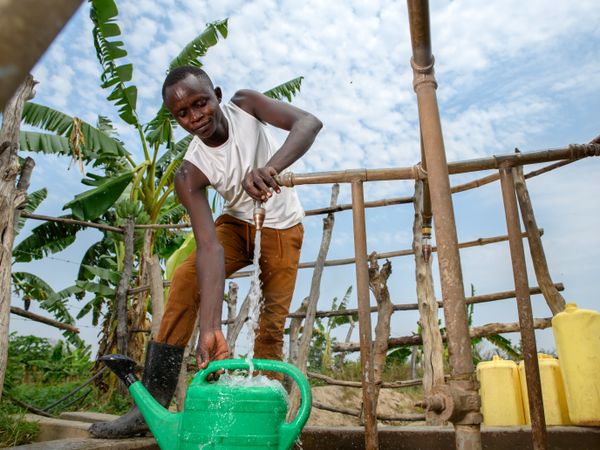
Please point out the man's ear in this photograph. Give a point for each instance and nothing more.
(219, 94)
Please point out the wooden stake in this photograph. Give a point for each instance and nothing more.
(121, 293)
(378, 285)
(554, 299)
(313, 299)
(9, 170)
(42, 319)
(433, 361)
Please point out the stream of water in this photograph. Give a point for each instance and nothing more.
(255, 302)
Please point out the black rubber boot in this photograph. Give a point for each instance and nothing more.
(161, 373)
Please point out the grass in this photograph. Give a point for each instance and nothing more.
(14, 429)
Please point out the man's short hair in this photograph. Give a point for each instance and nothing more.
(180, 73)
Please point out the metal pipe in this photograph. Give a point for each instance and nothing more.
(364, 313)
(258, 213)
(466, 418)
(572, 152)
(517, 255)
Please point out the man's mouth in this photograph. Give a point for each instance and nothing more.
(203, 127)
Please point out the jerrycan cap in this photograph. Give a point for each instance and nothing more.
(570, 307)
(496, 362)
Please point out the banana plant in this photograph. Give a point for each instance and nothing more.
(120, 186)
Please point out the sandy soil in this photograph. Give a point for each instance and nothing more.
(391, 402)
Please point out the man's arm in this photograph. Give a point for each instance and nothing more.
(190, 185)
(303, 127)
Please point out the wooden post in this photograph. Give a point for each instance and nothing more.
(232, 296)
(378, 285)
(9, 171)
(294, 336)
(27, 28)
(157, 294)
(121, 294)
(313, 299)
(233, 329)
(433, 361)
(555, 300)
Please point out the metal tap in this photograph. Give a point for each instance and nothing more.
(426, 242)
(258, 214)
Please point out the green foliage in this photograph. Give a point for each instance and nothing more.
(288, 89)
(97, 147)
(34, 359)
(46, 239)
(32, 288)
(320, 355)
(33, 201)
(91, 204)
(14, 429)
(103, 14)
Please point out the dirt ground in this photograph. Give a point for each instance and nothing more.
(391, 402)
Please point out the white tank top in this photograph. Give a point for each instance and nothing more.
(249, 146)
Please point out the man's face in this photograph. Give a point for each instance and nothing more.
(195, 105)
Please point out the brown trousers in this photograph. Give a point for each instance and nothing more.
(280, 253)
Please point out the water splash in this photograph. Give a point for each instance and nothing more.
(238, 380)
(255, 303)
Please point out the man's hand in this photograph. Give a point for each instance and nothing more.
(260, 183)
(211, 347)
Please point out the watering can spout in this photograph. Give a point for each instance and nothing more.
(163, 423)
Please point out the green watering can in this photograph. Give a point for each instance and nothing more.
(220, 416)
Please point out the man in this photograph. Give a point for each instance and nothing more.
(232, 152)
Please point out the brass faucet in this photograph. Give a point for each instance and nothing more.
(258, 214)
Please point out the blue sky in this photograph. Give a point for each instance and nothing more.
(510, 73)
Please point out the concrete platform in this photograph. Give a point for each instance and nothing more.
(89, 417)
(93, 444)
(73, 435)
(442, 438)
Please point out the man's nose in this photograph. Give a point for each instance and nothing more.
(196, 114)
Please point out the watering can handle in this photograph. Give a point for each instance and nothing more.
(290, 431)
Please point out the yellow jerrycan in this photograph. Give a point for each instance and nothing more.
(577, 336)
(553, 391)
(500, 391)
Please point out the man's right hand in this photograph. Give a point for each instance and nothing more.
(212, 346)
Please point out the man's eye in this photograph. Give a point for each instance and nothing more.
(181, 114)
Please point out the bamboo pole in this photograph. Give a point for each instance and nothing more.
(554, 299)
(311, 307)
(571, 152)
(489, 329)
(517, 255)
(9, 194)
(357, 413)
(385, 255)
(358, 384)
(364, 316)
(42, 319)
(485, 298)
